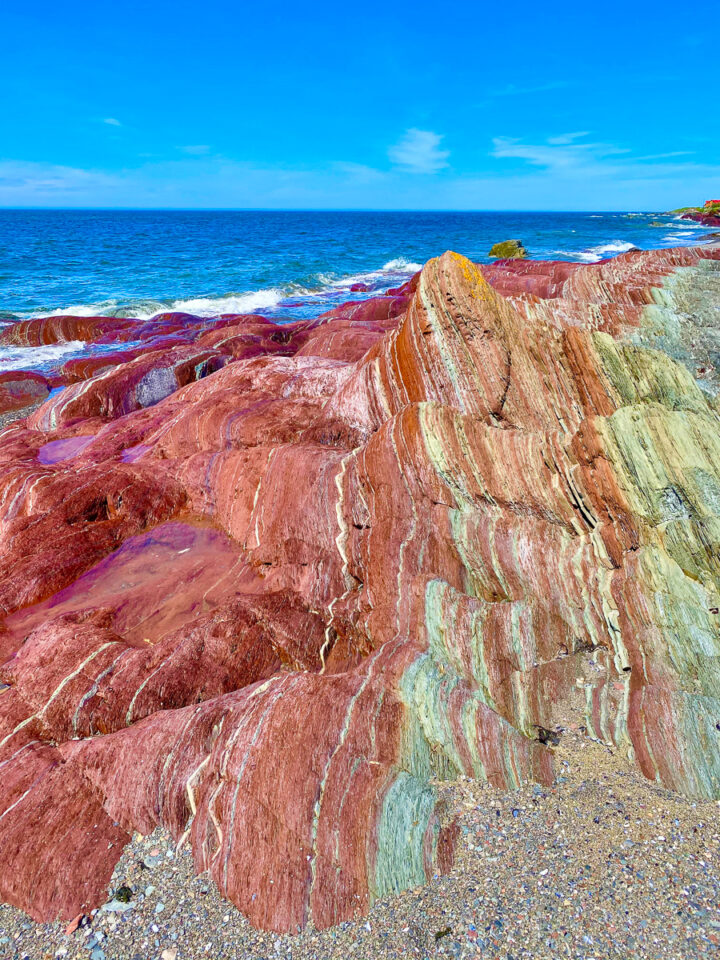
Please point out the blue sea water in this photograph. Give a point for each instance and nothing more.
(140, 263)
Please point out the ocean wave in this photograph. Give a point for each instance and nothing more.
(232, 303)
(107, 308)
(615, 246)
(593, 254)
(401, 265)
(37, 358)
(267, 299)
(198, 306)
(582, 255)
(389, 273)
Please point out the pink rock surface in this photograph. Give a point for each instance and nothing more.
(22, 389)
(266, 584)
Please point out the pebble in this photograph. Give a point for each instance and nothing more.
(601, 865)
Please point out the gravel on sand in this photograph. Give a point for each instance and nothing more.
(603, 864)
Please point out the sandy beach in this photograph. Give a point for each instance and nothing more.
(602, 865)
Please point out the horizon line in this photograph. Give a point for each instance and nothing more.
(90, 209)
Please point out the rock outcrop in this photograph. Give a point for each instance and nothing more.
(264, 584)
(20, 393)
(708, 214)
(508, 250)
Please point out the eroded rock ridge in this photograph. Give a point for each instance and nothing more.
(264, 584)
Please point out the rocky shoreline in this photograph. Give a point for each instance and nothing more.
(708, 214)
(274, 588)
(602, 864)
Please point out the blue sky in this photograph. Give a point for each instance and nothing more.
(372, 105)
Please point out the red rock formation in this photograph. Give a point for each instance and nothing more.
(708, 214)
(21, 390)
(262, 585)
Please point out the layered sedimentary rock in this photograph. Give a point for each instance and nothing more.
(20, 392)
(265, 584)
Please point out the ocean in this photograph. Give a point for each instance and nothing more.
(291, 264)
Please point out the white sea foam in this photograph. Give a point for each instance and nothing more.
(234, 303)
(583, 255)
(392, 272)
(146, 309)
(104, 309)
(615, 246)
(33, 358)
(401, 265)
(593, 254)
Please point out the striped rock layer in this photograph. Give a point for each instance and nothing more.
(267, 601)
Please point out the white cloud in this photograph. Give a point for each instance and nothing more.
(358, 172)
(566, 138)
(562, 154)
(112, 122)
(664, 156)
(419, 152)
(39, 183)
(588, 180)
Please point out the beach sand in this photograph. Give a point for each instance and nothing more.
(604, 864)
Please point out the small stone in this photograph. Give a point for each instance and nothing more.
(73, 925)
(159, 908)
(116, 906)
(169, 954)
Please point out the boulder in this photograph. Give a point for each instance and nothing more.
(508, 250)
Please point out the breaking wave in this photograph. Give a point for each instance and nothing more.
(233, 303)
(402, 265)
(267, 299)
(614, 247)
(38, 358)
(594, 254)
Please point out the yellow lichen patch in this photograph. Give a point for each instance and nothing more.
(479, 288)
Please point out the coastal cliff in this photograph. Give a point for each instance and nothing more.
(265, 584)
(708, 215)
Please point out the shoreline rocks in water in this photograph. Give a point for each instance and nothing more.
(270, 587)
(508, 250)
(708, 214)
